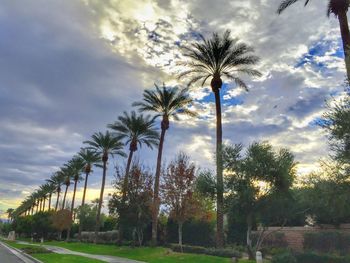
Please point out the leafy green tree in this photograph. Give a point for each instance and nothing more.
(339, 8)
(166, 103)
(134, 213)
(336, 121)
(104, 145)
(256, 180)
(135, 130)
(217, 58)
(178, 191)
(326, 200)
(87, 217)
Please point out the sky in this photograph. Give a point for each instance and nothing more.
(69, 68)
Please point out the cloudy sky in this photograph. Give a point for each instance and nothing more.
(68, 68)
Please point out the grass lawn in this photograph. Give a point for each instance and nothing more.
(54, 258)
(147, 254)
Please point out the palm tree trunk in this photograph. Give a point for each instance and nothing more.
(345, 34)
(72, 207)
(126, 177)
(58, 199)
(50, 195)
(83, 203)
(41, 205)
(64, 198)
(219, 174)
(37, 207)
(97, 226)
(156, 200)
(44, 204)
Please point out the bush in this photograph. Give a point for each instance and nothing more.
(311, 257)
(226, 252)
(326, 242)
(195, 232)
(109, 237)
(35, 250)
(285, 257)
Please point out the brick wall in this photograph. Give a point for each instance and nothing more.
(294, 236)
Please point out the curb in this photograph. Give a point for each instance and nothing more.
(21, 255)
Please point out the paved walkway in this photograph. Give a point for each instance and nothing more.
(8, 255)
(109, 259)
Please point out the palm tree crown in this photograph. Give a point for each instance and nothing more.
(220, 56)
(89, 158)
(166, 102)
(334, 6)
(136, 130)
(105, 144)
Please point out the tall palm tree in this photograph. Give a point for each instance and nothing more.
(67, 181)
(135, 130)
(104, 145)
(89, 159)
(51, 188)
(339, 8)
(9, 213)
(216, 58)
(46, 191)
(76, 166)
(166, 103)
(57, 180)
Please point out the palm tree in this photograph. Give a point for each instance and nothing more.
(57, 180)
(67, 181)
(9, 213)
(51, 188)
(89, 159)
(135, 130)
(76, 166)
(46, 191)
(166, 103)
(104, 145)
(215, 58)
(339, 8)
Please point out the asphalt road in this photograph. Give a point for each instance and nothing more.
(6, 256)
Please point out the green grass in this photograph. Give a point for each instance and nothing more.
(147, 254)
(52, 257)
(58, 258)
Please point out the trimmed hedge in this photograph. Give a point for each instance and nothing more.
(108, 237)
(226, 253)
(286, 257)
(327, 242)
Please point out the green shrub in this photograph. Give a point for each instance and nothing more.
(35, 250)
(311, 257)
(285, 257)
(226, 252)
(195, 232)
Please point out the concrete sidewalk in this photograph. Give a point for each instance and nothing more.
(11, 255)
(109, 259)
